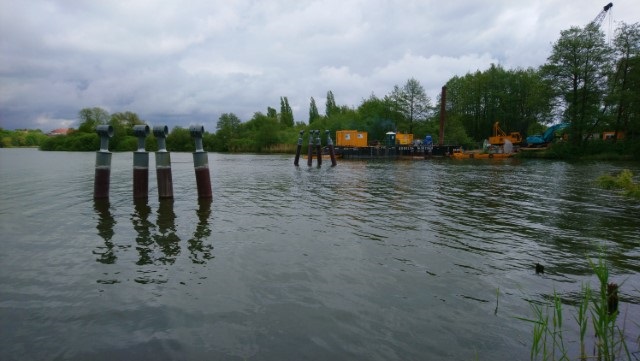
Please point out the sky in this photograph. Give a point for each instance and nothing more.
(180, 63)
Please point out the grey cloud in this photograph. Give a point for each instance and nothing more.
(180, 63)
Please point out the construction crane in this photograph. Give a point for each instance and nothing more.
(598, 19)
(499, 136)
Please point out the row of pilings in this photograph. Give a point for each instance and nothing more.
(315, 142)
(141, 163)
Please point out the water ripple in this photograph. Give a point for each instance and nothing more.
(368, 260)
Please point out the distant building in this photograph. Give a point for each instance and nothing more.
(59, 131)
(612, 135)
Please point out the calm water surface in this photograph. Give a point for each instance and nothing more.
(364, 261)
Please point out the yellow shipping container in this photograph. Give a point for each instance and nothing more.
(404, 139)
(351, 138)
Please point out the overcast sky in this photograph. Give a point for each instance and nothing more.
(187, 62)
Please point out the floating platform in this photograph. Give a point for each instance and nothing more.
(397, 152)
(478, 155)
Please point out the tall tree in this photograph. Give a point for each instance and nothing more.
(313, 111)
(286, 114)
(519, 99)
(272, 113)
(226, 130)
(375, 117)
(416, 103)
(126, 119)
(625, 82)
(263, 133)
(577, 69)
(122, 123)
(330, 106)
(396, 103)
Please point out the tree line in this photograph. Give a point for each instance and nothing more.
(586, 81)
(21, 138)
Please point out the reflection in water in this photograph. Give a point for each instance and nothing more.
(156, 243)
(200, 252)
(142, 226)
(166, 238)
(105, 230)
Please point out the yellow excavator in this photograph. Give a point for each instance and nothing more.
(499, 136)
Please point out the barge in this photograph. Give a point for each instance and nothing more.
(397, 152)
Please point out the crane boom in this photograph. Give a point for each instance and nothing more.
(598, 19)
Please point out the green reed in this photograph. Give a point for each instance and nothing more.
(582, 318)
(548, 341)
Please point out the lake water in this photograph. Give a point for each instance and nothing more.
(369, 260)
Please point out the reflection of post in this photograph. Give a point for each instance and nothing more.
(105, 230)
(200, 252)
(201, 163)
(166, 238)
(144, 243)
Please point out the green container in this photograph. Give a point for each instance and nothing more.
(390, 139)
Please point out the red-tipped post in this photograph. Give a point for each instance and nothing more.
(141, 164)
(163, 163)
(201, 163)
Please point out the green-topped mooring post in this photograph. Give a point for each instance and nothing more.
(298, 149)
(103, 163)
(332, 151)
(318, 147)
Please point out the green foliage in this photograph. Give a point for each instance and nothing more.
(263, 131)
(90, 118)
(394, 102)
(375, 118)
(455, 133)
(330, 105)
(75, 141)
(624, 81)
(21, 138)
(179, 140)
(414, 103)
(592, 150)
(286, 114)
(516, 98)
(272, 113)
(313, 111)
(577, 71)
(227, 129)
(623, 181)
